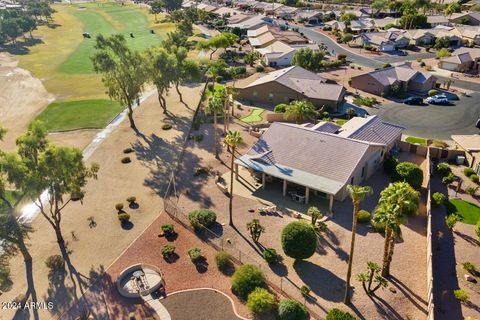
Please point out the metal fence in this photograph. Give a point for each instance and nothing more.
(430, 310)
(283, 285)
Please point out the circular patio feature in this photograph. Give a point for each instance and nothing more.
(139, 280)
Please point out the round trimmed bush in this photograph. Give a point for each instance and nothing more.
(131, 199)
(270, 255)
(119, 207)
(202, 218)
(299, 240)
(364, 216)
(127, 150)
(432, 92)
(223, 260)
(168, 228)
(291, 310)
(55, 262)
(259, 69)
(280, 108)
(474, 178)
(260, 301)
(246, 279)
(468, 172)
(194, 254)
(443, 169)
(166, 126)
(124, 217)
(337, 314)
(126, 160)
(409, 172)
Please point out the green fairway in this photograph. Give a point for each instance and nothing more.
(95, 114)
(469, 212)
(255, 115)
(108, 19)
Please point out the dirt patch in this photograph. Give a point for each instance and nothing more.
(77, 138)
(23, 98)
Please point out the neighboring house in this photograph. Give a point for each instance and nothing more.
(453, 34)
(335, 25)
(266, 7)
(384, 41)
(266, 35)
(471, 145)
(470, 34)
(206, 7)
(380, 82)
(245, 4)
(462, 60)
(247, 22)
(286, 12)
(422, 37)
(437, 20)
(362, 25)
(468, 18)
(321, 159)
(226, 11)
(308, 16)
(382, 23)
(279, 54)
(289, 84)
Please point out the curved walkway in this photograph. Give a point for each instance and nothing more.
(158, 307)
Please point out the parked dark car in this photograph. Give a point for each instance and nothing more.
(478, 123)
(414, 101)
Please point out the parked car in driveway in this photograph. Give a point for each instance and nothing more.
(438, 99)
(416, 101)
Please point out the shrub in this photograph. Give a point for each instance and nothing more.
(246, 279)
(124, 217)
(390, 164)
(55, 262)
(422, 64)
(447, 180)
(438, 198)
(132, 316)
(219, 79)
(305, 290)
(166, 126)
(363, 216)
(315, 214)
(270, 255)
(337, 314)
(127, 150)
(202, 218)
(470, 267)
(471, 190)
(168, 249)
(131, 199)
(210, 87)
(223, 260)
(378, 226)
(477, 230)
(194, 254)
(410, 173)
(299, 240)
(260, 301)
(126, 160)
(468, 172)
(280, 108)
(167, 228)
(474, 178)
(259, 69)
(342, 56)
(432, 92)
(452, 220)
(291, 310)
(119, 207)
(461, 295)
(199, 171)
(443, 169)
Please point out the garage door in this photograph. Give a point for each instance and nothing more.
(448, 66)
(388, 47)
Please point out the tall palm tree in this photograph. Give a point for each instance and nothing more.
(231, 93)
(301, 110)
(233, 139)
(215, 106)
(396, 202)
(357, 194)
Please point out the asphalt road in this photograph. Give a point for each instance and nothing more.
(375, 62)
(434, 121)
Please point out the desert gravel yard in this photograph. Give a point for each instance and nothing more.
(199, 305)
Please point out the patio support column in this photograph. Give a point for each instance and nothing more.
(236, 171)
(330, 203)
(284, 187)
(263, 180)
(307, 194)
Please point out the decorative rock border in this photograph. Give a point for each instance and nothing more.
(138, 266)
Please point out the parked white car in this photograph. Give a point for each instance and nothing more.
(438, 99)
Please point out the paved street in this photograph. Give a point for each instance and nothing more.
(432, 121)
(374, 62)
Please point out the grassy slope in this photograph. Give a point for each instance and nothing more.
(69, 115)
(420, 141)
(469, 211)
(255, 115)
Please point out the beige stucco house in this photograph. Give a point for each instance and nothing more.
(471, 145)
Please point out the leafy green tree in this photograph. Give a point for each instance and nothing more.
(292, 310)
(171, 5)
(222, 40)
(123, 71)
(370, 277)
(348, 17)
(260, 301)
(184, 70)
(308, 59)
(314, 214)
(160, 68)
(347, 37)
(378, 5)
(300, 110)
(442, 42)
(246, 279)
(410, 173)
(250, 58)
(215, 107)
(255, 229)
(174, 39)
(156, 7)
(233, 139)
(357, 194)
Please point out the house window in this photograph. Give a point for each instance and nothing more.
(270, 96)
(255, 93)
(351, 181)
(363, 172)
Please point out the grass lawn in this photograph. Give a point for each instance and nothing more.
(217, 86)
(255, 115)
(95, 114)
(468, 211)
(341, 122)
(417, 140)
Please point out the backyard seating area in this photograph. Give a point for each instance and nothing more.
(139, 280)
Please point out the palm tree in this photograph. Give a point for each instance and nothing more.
(396, 202)
(231, 92)
(233, 139)
(215, 106)
(301, 110)
(357, 194)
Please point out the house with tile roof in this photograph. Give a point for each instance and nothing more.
(289, 84)
(280, 54)
(266, 35)
(380, 82)
(462, 60)
(385, 40)
(471, 145)
(466, 18)
(321, 159)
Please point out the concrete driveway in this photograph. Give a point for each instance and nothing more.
(434, 121)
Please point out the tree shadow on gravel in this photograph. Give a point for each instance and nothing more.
(385, 309)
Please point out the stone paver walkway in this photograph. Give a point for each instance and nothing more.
(158, 307)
